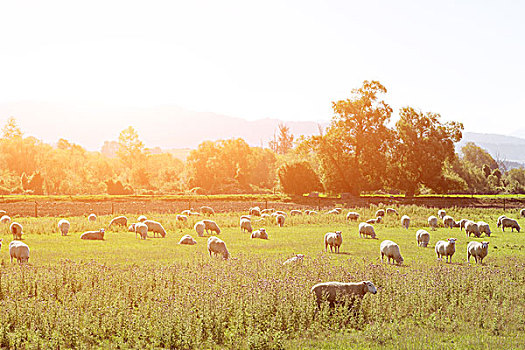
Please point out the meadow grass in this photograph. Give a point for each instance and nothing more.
(129, 293)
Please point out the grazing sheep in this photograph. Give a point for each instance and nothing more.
(217, 247)
(391, 211)
(446, 249)
(199, 228)
(246, 225)
(352, 216)
(93, 235)
(141, 229)
(478, 250)
(296, 212)
(205, 210)
(16, 230)
(333, 212)
(267, 211)
(155, 227)
(187, 239)
(433, 222)
(294, 260)
(423, 237)
(331, 291)
(210, 225)
(441, 213)
(260, 233)
(19, 251)
(63, 227)
(142, 218)
(472, 228)
(255, 211)
(499, 220)
(187, 212)
(334, 240)
(522, 212)
(6, 219)
(311, 212)
(92, 218)
(3, 212)
(484, 228)
(248, 217)
(405, 222)
(366, 230)
(448, 221)
(508, 222)
(463, 223)
(279, 219)
(119, 220)
(391, 251)
(265, 216)
(182, 218)
(380, 212)
(375, 221)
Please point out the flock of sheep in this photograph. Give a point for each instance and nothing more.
(331, 291)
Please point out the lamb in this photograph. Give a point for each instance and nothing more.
(207, 210)
(499, 220)
(405, 222)
(334, 240)
(352, 216)
(423, 237)
(93, 235)
(380, 212)
(141, 229)
(478, 250)
(210, 225)
(142, 218)
(333, 212)
(336, 290)
(155, 227)
(255, 211)
(472, 227)
(433, 222)
(16, 230)
(446, 249)
(294, 260)
(391, 211)
(366, 230)
(280, 220)
(463, 223)
(246, 225)
(441, 213)
(484, 228)
(296, 212)
(119, 220)
(187, 239)
(391, 251)
(448, 221)
(217, 247)
(92, 218)
(182, 218)
(508, 222)
(5, 219)
(63, 227)
(199, 228)
(260, 233)
(19, 251)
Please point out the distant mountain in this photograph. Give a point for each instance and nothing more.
(500, 147)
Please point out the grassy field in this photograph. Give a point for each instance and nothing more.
(127, 293)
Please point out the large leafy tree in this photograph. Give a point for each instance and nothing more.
(298, 178)
(284, 140)
(130, 148)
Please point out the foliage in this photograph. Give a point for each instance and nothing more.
(130, 148)
(478, 156)
(116, 188)
(284, 142)
(34, 183)
(298, 178)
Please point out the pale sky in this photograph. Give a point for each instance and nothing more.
(268, 59)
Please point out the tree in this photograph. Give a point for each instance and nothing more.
(486, 170)
(284, 142)
(478, 156)
(298, 178)
(11, 129)
(130, 148)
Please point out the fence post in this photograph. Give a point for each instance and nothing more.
(112, 209)
(36, 209)
(504, 204)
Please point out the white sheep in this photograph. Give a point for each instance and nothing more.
(331, 291)
(311, 212)
(207, 210)
(484, 228)
(93, 235)
(246, 225)
(16, 230)
(6, 219)
(280, 212)
(155, 227)
(141, 229)
(334, 240)
(463, 223)
(294, 260)
(391, 211)
(260, 233)
(187, 239)
(92, 218)
(380, 212)
(405, 221)
(142, 218)
(448, 221)
(441, 213)
(187, 212)
(522, 212)
(478, 250)
(333, 212)
(267, 211)
(63, 227)
(472, 228)
(352, 216)
(374, 221)
(366, 230)
(119, 221)
(433, 222)
(391, 251)
(255, 211)
(279, 219)
(499, 220)
(181, 218)
(210, 225)
(19, 251)
(423, 237)
(199, 227)
(508, 222)
(217, 247)
(296, 212)
(446, 249)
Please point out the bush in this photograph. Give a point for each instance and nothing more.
(116, 188)
(299, 178)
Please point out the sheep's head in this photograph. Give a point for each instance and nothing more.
(485, 245)
(452, 241)
(369, 286)
(400, 260)
(339, 233)
(131, 228)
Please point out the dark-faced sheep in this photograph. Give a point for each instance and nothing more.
(508, 222)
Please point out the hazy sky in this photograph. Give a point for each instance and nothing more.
(277, 59)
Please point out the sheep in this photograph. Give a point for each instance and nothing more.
(155, 227)
(478, 250)
(296, 212)
(374, 221)
(441, 213)
(248, 217)
(142, 218)
(279, 212)
(311, 212)
(423, 237)
(16, 230)
(463, 223)
(499, 220)
(255, 211)
(19, 251)
(333, 212)
(187, 239)
(119, 220)
(405, 221)
(352, 216)
(391, 211)
(508, 222)
(484, 228)
(334, 240)
(181, 218)
(448, 221)
(207, 210)
(265, 216)
(294, 260)
(380, 212)
(446, 249)
(267, 211)
(217, 247)
(279, 219)
(472, 227)
(92, 218)
(432, 222)
(5, 219)
(246, 225)
(366, 230)
(3, 212)
(199, 227)
(391, 251)
(339, 210)
(260, 233)
(210, 225)
(141, 229)
(63, 227)
(187, 212)
(332, 291)
(522, 212)
(93, 235)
